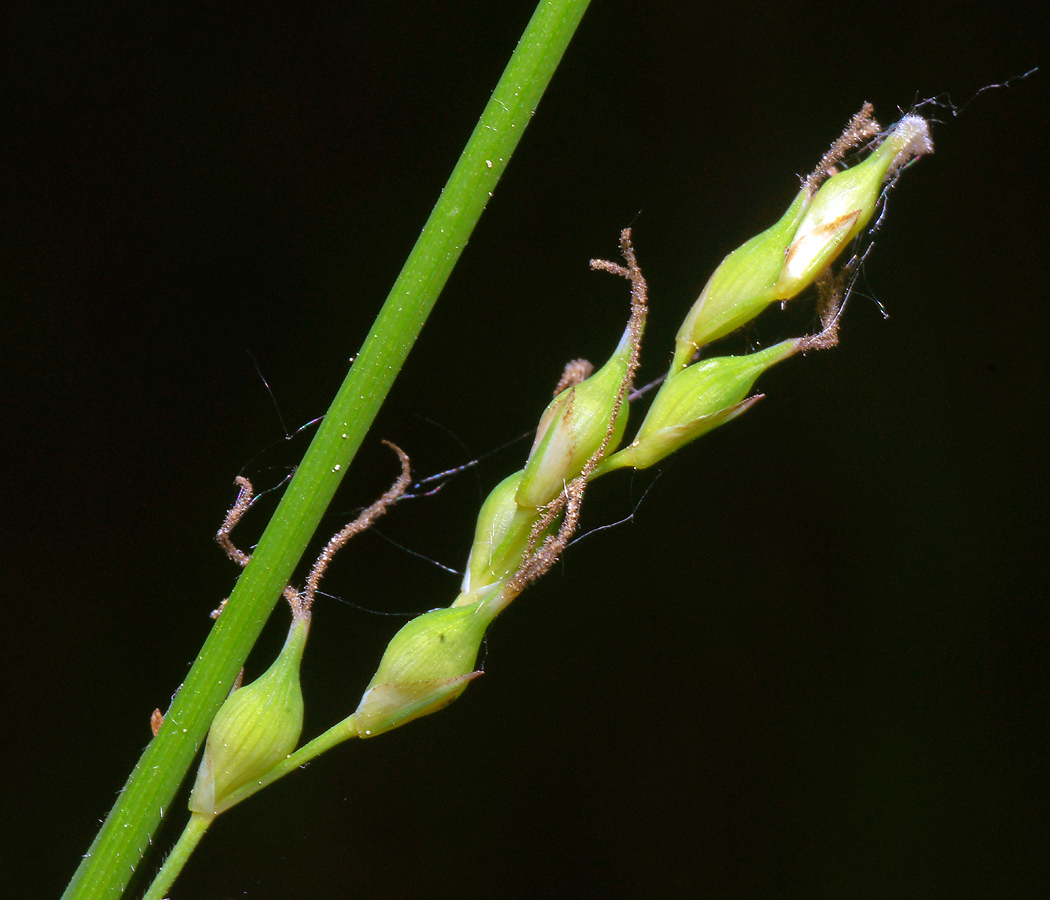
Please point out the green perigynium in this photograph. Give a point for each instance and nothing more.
(694, 401)
(844, 205)
(257, 727)
(741, 287)
(500, 536)
(572, 429)
(426, 666)
(787, 258)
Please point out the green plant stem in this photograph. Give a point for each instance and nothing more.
(185, 846)
(117, 850)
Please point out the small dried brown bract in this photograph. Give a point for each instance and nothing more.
(575, 371)
(155, 721)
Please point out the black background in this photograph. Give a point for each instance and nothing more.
(815, 663)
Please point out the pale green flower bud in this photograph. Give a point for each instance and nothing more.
(572, 429)
(741, 287)
(693, 402)
(785, 259)
(500, 537)
(844, 205)
(426, 666)
(257, 727)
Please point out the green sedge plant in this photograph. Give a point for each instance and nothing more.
(528, 519)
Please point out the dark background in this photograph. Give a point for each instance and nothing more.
(815, 663)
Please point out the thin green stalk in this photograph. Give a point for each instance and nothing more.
(119, 847)
(184, 847)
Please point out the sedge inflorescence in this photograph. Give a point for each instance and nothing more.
(527, 520)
